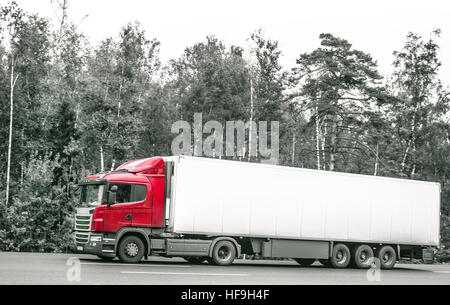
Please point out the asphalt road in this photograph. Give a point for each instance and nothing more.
(32, 268)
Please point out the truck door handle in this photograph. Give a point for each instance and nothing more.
(129, 217)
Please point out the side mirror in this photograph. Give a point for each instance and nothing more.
(112, 195)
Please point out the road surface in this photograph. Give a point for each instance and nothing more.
(33, 268)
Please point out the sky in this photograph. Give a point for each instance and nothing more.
(376, 27)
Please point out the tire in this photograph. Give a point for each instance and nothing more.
(387, 257)
(325, 262)
(195, 259)
(341, 256)
(131, 249)
(362, 256)
(224, 253)
(305, 261)
(106, 258)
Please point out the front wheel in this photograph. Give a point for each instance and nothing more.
(131, 250)
(224, 253)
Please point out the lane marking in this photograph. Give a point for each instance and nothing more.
(441, 271)
(134, 265)
(184, 273)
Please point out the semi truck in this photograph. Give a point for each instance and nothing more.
(211, 210)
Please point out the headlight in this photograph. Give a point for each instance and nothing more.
(96, 238)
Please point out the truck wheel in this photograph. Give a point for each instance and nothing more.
(131, 249)
(361, 256)
(195, 259)
(106, 258)
(341, 256)
(224, 253)
(387, 257)
(305, 261)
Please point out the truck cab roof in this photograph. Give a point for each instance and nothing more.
(133, 171)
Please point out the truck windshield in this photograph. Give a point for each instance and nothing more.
(92, 195)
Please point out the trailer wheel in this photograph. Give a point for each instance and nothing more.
(224, 253)
(131, 249)
(305, 261)
(387, 257)
(195, 259)
(362, 256)
(341, 256)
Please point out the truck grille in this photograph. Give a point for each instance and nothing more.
(83, 219)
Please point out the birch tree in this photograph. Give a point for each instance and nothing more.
(12, 19)
(416, 88)
(337, 84)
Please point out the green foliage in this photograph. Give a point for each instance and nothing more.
(339, 86)
(269, 79)
(40, 217)
(443, 254)
(210, 79)
(420, 105)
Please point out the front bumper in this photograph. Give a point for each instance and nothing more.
(98, 245)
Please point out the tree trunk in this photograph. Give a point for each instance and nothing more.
(251, 119)
(293, 149)
(333, 142)
(64, 6)
(375, 173)
(411, 141)
(413, 170)
(317, 137)
(102, 164)
(324, 139)
(11, 116)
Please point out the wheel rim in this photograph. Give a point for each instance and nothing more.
(341, 256)
(364, 256)
(387, 257)
(131, 249)
(223, 253)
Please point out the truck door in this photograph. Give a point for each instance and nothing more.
(141, 196)
(120, 214)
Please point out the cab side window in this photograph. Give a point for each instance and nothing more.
(139, 193)
(123, 194)
(130, 192)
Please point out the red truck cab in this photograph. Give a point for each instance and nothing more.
(129, 199)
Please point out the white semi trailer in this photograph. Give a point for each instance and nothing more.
(304, 214)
